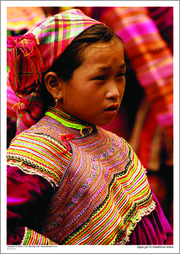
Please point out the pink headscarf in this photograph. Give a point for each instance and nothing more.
(31, 54)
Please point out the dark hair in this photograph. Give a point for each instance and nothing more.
(71, 58)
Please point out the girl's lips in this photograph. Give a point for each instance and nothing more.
(112, 110)
(112, 107)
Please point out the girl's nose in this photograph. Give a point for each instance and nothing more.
(113, 91)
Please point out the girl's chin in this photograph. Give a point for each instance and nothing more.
(104, 125)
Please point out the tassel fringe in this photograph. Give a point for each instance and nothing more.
(27, 45)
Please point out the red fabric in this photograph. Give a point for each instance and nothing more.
(24, 193)
(153, 229)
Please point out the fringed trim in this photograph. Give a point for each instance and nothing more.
(33, 238)
(143, 212)
(54, 182)
(27, 45)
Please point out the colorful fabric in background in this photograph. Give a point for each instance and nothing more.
(23, 18)
(27, 59)
(163, 17)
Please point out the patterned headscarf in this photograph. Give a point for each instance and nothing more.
(31, 54)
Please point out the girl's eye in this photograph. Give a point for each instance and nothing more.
(121, 74)
(101, 77)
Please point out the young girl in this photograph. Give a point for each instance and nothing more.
(69, 182)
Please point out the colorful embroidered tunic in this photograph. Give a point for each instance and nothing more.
(100, 187)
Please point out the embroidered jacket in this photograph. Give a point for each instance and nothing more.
(101, 188)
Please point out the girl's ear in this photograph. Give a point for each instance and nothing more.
(53, 84)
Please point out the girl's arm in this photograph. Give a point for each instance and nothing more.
(24, 193)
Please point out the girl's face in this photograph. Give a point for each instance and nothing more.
(95, 91)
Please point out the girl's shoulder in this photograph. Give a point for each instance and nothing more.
(123, 144)
(114, 136)
(35, 151)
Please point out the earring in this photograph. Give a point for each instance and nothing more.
(56, 104)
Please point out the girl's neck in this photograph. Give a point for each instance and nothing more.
(68, 120)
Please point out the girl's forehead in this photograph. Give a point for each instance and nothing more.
(102, 50)
(106, 44)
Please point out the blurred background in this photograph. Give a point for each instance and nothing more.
(145, 118)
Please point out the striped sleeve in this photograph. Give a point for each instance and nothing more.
(39, 154)
(33, 238)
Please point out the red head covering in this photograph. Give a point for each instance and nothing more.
(31, 54)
